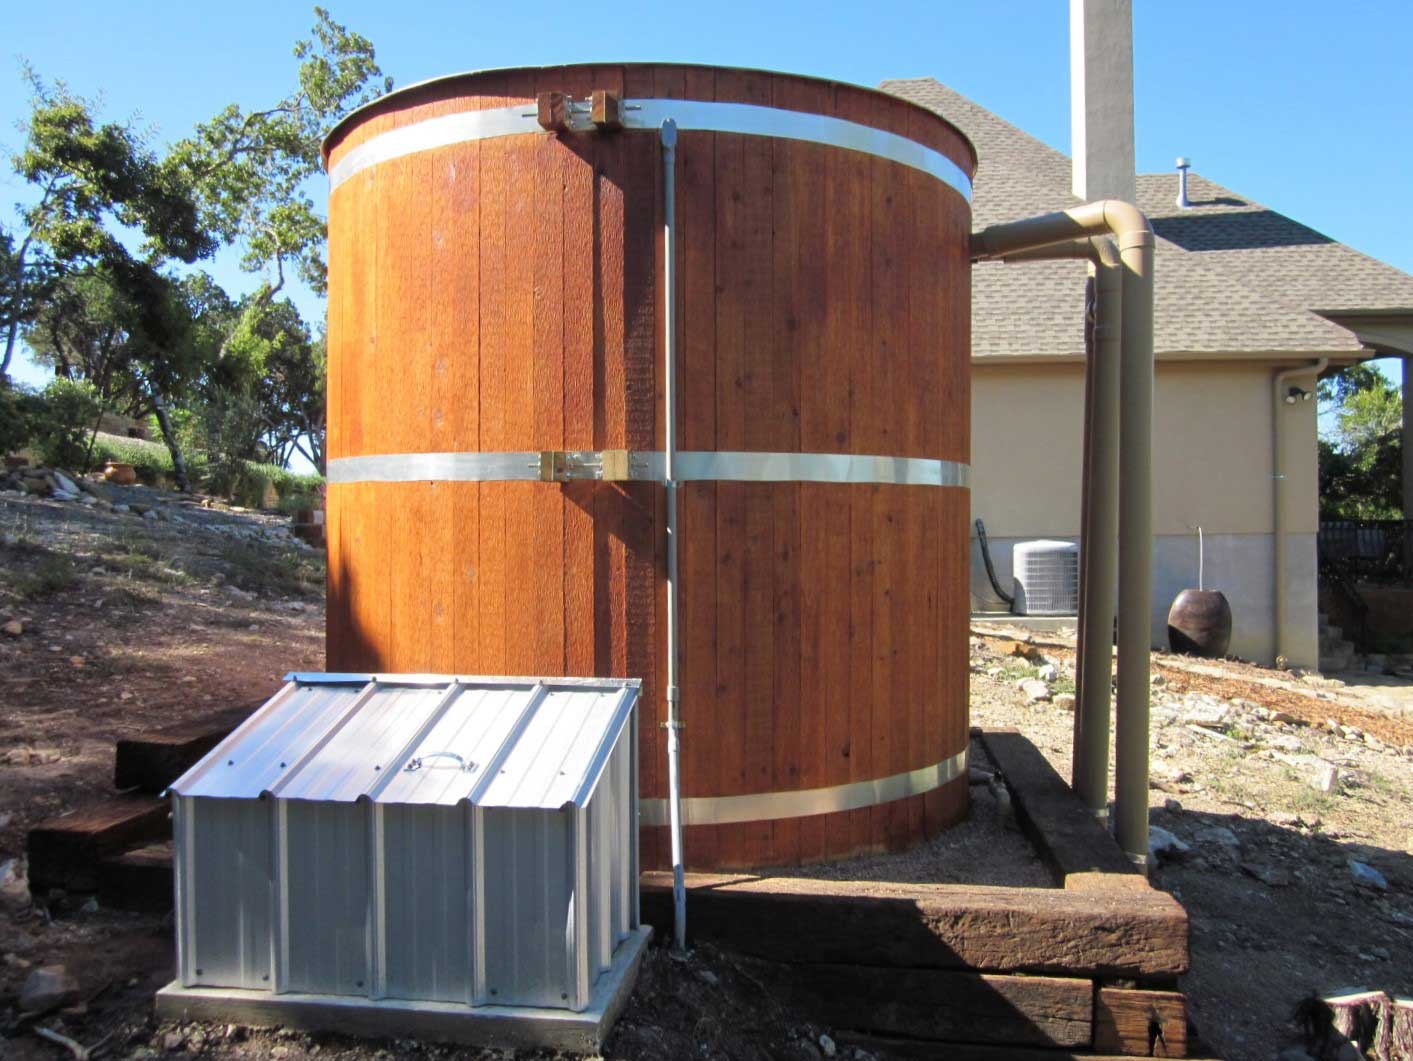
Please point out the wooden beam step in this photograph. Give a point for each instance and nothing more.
(1140, 1023)
(140, 879)
(935, 1005)
(151, 761)
(1069, 838)
(1116, 933)
(897, 1049)
(64, 852)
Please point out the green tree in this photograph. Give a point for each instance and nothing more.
(145, 340)
(247, 171)
(92, 180)
(1361, 457)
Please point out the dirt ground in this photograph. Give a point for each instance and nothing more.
(1274, 908)
(132, 623)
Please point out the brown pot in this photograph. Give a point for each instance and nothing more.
(119, 473)
(1199, 623)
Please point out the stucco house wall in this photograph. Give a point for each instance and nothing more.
(1212, 467)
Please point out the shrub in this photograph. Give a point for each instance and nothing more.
(53, 574)
(17, 418)
(254, 480)
(64, 417)
(151, 460)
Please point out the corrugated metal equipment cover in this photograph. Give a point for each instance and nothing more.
(422, 739)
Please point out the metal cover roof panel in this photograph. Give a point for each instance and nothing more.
(564, 739)
(422, 739)
(260, 750)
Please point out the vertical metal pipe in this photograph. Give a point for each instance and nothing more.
(1086, 537)
(669, 397)
(1099, 530)
(1135, 544)
(1099, 539)
(1135, 593)
(1279, 382)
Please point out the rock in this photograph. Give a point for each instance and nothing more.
(1205, 713)
(88, 500)
(174, 1041)
(1325, 777)
(1048, 673)
(1288, 744)
(64, 495)
(1271, 876)
(1222, 838)
(1021, 649)
(48, 987)
(826, 1045)
(1366, 876)
(14, 628)
(1005, 812)
(1065, 701)
(708, 977)
(150, 515)
(1035, 690)
(1158, 680)
(14, 889)
(1163, 846)
(64, 483)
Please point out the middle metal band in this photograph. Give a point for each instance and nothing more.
(769, 806)
(724, 466)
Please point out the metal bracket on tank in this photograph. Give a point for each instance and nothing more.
(609, 465)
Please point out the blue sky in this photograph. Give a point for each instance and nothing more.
(1309, 113)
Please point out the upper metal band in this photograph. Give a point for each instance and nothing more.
(746, 118)
(769, 806)
(725, 466)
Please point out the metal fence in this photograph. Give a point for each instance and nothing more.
(1376, 550)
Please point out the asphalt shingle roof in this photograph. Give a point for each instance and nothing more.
(1234, 278)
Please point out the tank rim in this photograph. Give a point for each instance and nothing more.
(344, 124)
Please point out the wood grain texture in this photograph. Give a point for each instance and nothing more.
(932, 926)
(935, 1004)
(1140, 1023)
(503, 295)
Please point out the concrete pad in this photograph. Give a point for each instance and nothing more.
(502, 1027)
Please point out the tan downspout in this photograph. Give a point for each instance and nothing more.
(1135, 590)
(1278, 385)
(1099, 531)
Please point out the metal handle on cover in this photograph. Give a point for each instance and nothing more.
(420, 761)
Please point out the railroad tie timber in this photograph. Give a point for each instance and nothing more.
(1109, 933)
(1066, 834)
(1141, 1023)
(65, 852)
(150, 761)
(899, 1049)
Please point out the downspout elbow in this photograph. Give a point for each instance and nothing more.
(1124, 221)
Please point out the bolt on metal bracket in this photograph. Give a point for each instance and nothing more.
(609, 465)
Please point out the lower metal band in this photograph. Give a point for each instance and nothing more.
(702, 465)
(771, 806)
(744, 118)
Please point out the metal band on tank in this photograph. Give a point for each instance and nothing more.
(700, 465)
(770, 806)
(747, 119)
